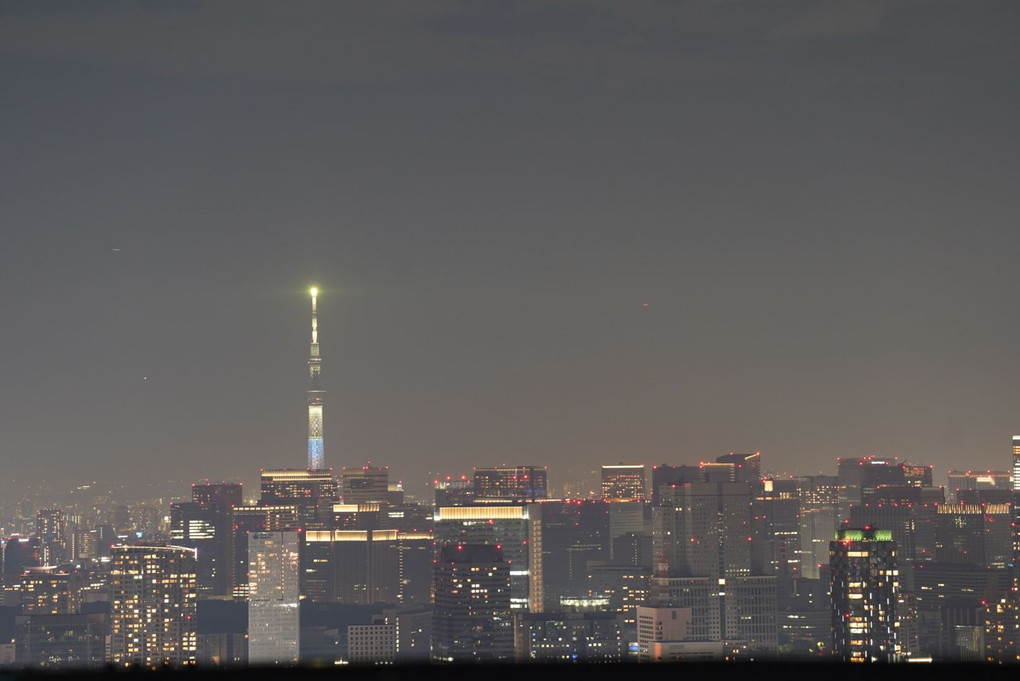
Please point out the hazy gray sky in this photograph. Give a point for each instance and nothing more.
(551, 233)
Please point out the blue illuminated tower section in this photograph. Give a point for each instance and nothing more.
(316, 457)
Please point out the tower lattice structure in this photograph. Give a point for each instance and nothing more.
(316, 455)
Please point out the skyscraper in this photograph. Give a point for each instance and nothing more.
(1016, 463)
(511, 483)
(316, 455)
(472, 619)
(516, 528)
(864, 586)
(273, 598)
(623, 481)
(153, 606)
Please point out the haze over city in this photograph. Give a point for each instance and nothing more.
(562, 234)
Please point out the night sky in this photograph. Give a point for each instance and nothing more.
(549, 233)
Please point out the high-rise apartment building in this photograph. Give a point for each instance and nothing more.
(274, 625)
(50, 527)
(152, 606)
(864, 588)
(48, 591)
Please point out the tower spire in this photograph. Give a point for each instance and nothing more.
(316, 457)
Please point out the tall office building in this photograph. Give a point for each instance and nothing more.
(703, 551)
(247, 519)
(734, 467)
(574, 532)
(206, 528)
(864, 588)
(274, 625)
(962, 481)
(860, 477)
(316, 452)
(976, 534)
(364, 485)
(313, 492)
(511, 483)
(1016, 463)
(351, 567)
(516, 528)
(152, 606)
(472, 619)
(623, 482)
(226, 494)
(666, 475)
(819, 518)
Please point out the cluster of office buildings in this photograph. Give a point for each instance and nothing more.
(705, 561)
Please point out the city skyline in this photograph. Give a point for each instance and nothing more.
(553, 235)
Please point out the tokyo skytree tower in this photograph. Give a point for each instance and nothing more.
(316, 457)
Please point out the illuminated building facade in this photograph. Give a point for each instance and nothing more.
(864, 588)
(274, 626)
(623, 482)
(316, 451)
(515, 528)
(48, 591)
(153, 605)
(247, 519)
(351, 567)
(1016, 463)
(472, 618)
(50, 527)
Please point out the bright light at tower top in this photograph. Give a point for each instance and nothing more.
(314, 291)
